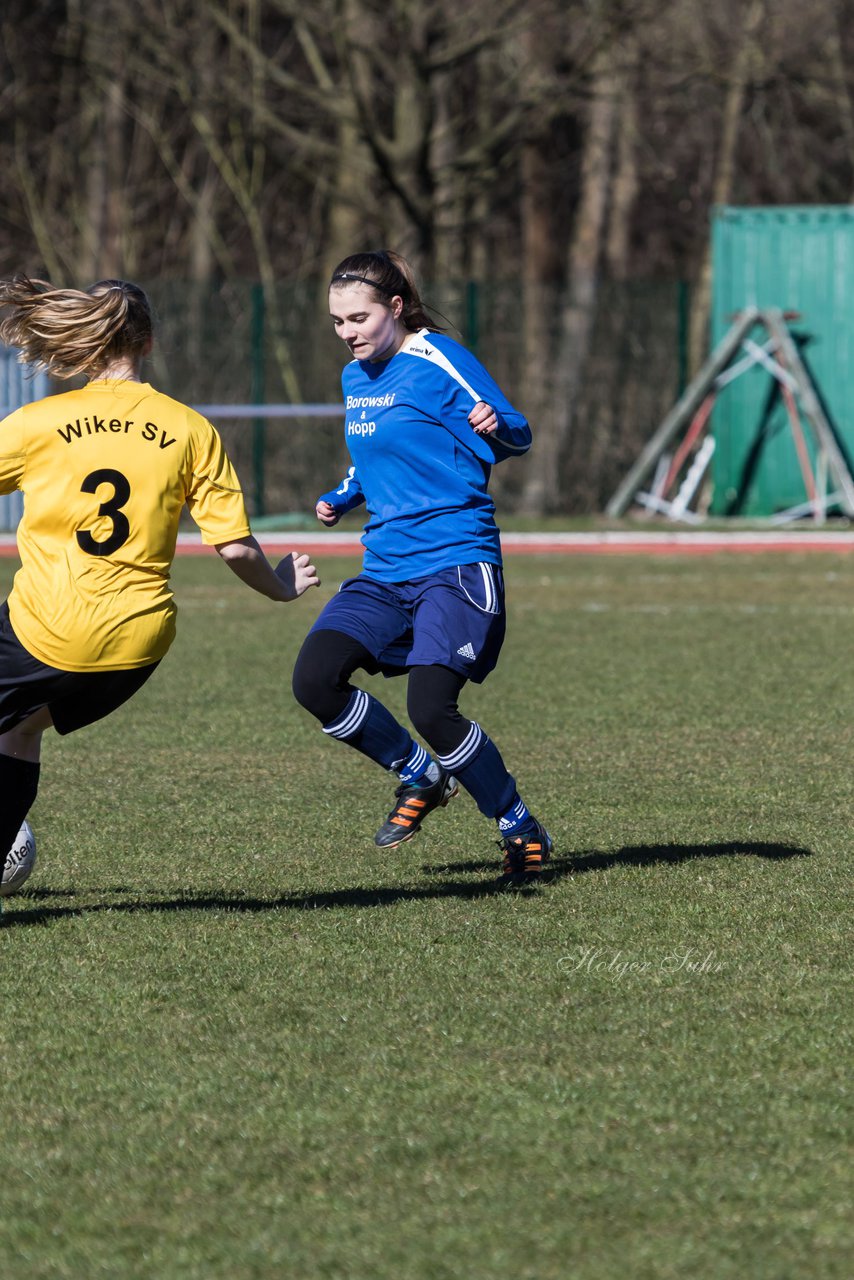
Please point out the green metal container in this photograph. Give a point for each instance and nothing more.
(799, 259)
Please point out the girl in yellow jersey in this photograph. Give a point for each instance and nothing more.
(106, 471)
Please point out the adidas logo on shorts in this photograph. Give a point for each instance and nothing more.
(466, 651)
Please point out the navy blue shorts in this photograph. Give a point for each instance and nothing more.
(74, 698)
(454, 618)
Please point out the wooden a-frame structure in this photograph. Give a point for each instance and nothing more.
(674, 487)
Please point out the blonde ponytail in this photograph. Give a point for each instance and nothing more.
(74, 331)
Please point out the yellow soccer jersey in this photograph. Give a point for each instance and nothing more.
(105, 472)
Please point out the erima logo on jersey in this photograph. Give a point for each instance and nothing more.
(467, 651)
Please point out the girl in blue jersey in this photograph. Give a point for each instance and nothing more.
(424, 424)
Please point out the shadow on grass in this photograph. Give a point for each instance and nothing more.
(646, 855)
(355, 897)
(560, 865)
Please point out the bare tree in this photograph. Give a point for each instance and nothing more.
(584, 255)
(556, 150)
(746, 64)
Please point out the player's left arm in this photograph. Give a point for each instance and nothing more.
(291, 577)
(215, 501)
(503, 426)
(491, 417)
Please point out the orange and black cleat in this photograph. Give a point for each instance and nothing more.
(413, 805)
(524, 857)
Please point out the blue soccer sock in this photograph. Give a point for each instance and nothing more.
(418, 768)
(366, 725)
(478, 765)
(516, 819)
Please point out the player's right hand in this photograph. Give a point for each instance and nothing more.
(326, 514)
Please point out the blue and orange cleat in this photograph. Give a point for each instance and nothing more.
(413, 805)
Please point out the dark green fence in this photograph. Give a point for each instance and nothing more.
(234, 345)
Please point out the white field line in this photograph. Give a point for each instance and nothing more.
(676, 542)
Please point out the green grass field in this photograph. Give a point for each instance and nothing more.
(240, 1042)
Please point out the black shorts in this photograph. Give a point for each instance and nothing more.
(74, 698)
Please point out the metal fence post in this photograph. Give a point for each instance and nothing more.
(259, 427)
(683, 305)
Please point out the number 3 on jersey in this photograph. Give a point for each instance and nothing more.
(111, 508)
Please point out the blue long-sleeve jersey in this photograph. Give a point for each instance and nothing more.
(417, 464)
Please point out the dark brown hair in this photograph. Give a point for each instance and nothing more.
(74, 331)
(390, 276)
